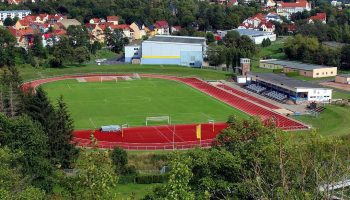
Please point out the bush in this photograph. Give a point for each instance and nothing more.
(154, 178)
(143, 179)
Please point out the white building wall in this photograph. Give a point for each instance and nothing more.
(317, 94)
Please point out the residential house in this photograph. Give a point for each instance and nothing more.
(22, 24)
(127, 31)
(24, 37)
(150, 30)
(175, 29)
(266, 26)
(40, 27)
(1, 23)
(139, 30)
(97, 20)
(14, 13)
(259, 22)
(270, 3)
(96, 32)
(272, 16)
(321, 17)
(162, 27)
(113, 19)
(286, 9)
(69, 22)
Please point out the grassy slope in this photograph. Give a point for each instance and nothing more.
(131, 102)
(333, 121)
(29, 73)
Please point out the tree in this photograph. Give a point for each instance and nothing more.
(8, 22)
(95, 176)
(38, 48)
(216, 55)
(231, 39)
(62, 151)
(120, 159)
(345, 58)
(179, 179)
(13, 184)
(115, 40)
(62, 52)
(81, 54)
(210, 37)
(22, 134)
(78, 36)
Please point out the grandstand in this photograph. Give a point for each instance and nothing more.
(282, 88)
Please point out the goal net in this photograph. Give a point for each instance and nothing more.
(108, 78)
(157, 119)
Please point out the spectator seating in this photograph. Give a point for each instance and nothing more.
(256, 88)
(276, 95)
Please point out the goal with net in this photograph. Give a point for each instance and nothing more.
(158, 119)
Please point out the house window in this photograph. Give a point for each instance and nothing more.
(136, 54)
(332, 72)
(317, 73)
(136, 49)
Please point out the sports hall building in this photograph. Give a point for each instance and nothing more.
(308, 70)
(169, 50)
(282, 88)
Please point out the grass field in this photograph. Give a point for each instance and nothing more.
(93, 104)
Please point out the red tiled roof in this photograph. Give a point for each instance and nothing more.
(120, 26)
(161, 24)
(24, 22)
(301, 3)
(319, 16)
(112, 18)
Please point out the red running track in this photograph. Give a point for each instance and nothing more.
(161, 137)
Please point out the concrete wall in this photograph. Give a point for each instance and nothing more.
(270, 66)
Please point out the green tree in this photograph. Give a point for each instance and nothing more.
(21, 134)
(62, 151)
(62, 52)
(216, 55)
(8, 22)
(38, 48)
(96, 175)
(13, 184)
(78, 36)
(81, 54)
(210, 37)
(120, 159)
(115, 40)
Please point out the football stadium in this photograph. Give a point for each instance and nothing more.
(153, 112)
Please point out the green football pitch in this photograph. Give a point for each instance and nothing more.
(93, 104)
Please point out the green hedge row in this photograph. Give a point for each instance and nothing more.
(143, 179)
(292, 74)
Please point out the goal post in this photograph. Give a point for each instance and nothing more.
(157, 119)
